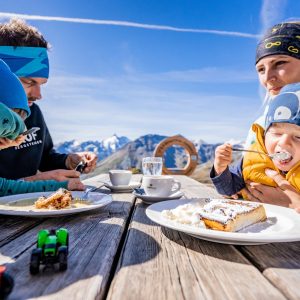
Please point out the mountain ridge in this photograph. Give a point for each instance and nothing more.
(122, 153)
(102, 148)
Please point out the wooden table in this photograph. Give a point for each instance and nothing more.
(118, 253)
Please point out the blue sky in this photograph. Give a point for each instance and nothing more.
(191, 72)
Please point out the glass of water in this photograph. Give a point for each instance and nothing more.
(152, 165)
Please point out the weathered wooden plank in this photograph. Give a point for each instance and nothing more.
(280, 263)
(93, 245)
(193, 188)
(159, 263)
(94, 241)
(11, 227)
(165, 264)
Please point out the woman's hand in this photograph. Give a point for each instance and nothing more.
(284, 195)
(6, 143)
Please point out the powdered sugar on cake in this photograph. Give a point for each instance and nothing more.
(223, 210)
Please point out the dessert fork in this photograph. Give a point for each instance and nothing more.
(88, 190)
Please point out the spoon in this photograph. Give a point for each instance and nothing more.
(276, 156)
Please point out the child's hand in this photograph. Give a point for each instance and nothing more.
(6, 143)
(75, 184)
(223, 157)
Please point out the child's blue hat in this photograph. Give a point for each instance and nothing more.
(285, 107)
(12, 93)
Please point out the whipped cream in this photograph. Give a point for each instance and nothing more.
(186, 214)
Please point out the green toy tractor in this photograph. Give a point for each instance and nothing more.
(52, 248)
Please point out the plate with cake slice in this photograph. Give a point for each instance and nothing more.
(52, 204)
(236, 222)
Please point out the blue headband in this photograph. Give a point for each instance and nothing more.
(26, 61)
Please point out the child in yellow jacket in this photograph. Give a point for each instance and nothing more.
(281, 135)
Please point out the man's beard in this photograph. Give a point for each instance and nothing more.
(31, 100)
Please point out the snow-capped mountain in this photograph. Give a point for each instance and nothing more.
(205, 151)
(102, 148)
(121, 153)
(130, 156)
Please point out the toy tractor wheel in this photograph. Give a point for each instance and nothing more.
(63, 258)
(62, 237)
(6, 283)
(35, 261)
(67, 243)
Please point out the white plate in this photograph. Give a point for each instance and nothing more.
(123, 188)
(153, 199)
(282, 225)
(22, 204)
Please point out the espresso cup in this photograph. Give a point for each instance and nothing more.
(119, 177)
(160, 186)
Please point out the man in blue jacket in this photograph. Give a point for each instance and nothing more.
(24, 49)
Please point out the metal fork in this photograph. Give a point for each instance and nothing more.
(89, 190)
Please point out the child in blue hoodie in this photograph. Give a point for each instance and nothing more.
(13, 110)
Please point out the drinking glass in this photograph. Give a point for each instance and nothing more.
(152, 165)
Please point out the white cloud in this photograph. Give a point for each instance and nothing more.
(126, 24)
(213, 75)
(272, 13)
(86, 108)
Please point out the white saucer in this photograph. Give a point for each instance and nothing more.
(123, 188)
(153, 199)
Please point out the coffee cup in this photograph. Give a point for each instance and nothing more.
(160, 186)
(120, 177)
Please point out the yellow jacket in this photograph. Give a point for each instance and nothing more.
(254, 164)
